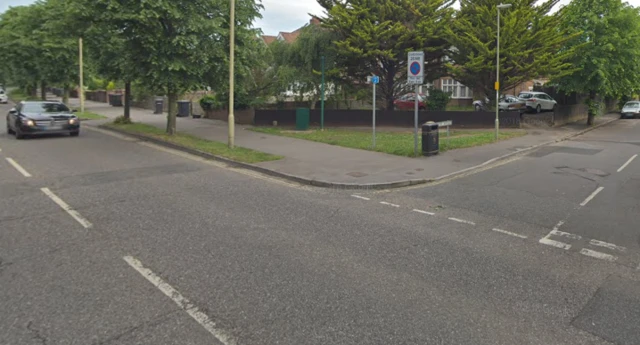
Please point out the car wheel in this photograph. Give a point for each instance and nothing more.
(19, 135)
(74, 134)
(538, 109)
(478, 107)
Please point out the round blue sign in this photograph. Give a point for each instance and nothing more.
(415, 68)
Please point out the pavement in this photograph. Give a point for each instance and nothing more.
(105, 239)
(334, 166)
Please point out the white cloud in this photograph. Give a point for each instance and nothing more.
(286, 15)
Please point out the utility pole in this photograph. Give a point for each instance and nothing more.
(232, 43)
(81, 91)
(322, 101)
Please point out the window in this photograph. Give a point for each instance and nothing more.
(456, 89)
(45, 108)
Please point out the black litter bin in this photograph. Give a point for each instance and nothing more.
(117, 100)
(159, 106)
(184, 108)
(430, 139)
(110, 98)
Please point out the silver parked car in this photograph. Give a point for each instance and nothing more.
(538, 101)
(630, 110)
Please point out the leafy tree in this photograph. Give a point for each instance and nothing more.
(530, 44)
(183, 44)
(21, 49)
(304, 56)
(607, 50)
(374, 37)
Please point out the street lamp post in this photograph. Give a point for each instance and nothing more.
(232, 43)
(497, 85)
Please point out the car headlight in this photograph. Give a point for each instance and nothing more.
(73, 121)
(29, 123)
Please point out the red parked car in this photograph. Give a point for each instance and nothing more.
(407, 102)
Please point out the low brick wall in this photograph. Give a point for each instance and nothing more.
(346, 118)
(243, 117)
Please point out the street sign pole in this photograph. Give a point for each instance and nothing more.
(415, 124)
(374, 79)
(415, 76)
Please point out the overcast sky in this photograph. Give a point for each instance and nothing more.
(278, 15)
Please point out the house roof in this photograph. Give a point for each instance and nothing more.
(268, 39)
(290, 37)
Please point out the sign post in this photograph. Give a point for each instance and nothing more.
(415, 76)
(374, 80)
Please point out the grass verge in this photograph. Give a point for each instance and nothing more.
(396, 143)
(89, 116)
(17, 95)
(239, 154)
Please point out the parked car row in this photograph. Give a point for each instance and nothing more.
(630, 110)
(531, 101)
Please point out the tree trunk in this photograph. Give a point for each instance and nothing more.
(127, 100)
(43, 91)
(65, 94)
(591, 114)
(173, 111)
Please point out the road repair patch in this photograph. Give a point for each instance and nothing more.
(613, 313)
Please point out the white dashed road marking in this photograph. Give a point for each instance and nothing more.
(360, 197)
(554, 243)
(627, 163)
(461, 221)
(509, 233)
(598, 255)
(607, 245)
(389, 204)
(73, 213)
(180, 300)
(424, 212)
(565, 234)
(590, 197)
(22, 170)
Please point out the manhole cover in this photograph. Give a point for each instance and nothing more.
(357, 174)
(613, 312)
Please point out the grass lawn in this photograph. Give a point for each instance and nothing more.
(17, 95)
(239, 154)
(89, 116)
(397, 143)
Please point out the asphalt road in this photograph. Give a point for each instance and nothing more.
(105, 240)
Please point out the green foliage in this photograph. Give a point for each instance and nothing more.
(530, 44)
(607, 48)
(437, 99)
(121, 120)
(623, 100)
(375, 36)
(210, 102)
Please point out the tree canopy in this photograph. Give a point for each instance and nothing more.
(531, 42)
(374, 37)
(607, 50)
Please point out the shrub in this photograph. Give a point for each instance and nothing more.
(121, 120)
(438, 99)
(209, 102)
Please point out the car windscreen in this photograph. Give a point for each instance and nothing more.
(632, 105)
(525, 95)
(45, 108)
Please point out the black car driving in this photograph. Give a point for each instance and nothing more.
(45, 117)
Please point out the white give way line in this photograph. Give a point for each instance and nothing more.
(180, 300)
(15, 164)
(590, 197)
(627, 163)
(73, 213)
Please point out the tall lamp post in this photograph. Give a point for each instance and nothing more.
(232, 43)
(497, 85)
